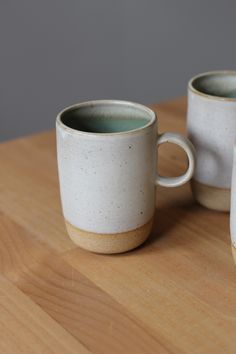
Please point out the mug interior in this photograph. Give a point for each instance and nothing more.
(107, 117)
(219, 84)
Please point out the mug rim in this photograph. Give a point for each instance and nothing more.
(211, 73)
(149, 111)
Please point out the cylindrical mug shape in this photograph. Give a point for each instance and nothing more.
(212, 129)
(107, 181)
(107, 157)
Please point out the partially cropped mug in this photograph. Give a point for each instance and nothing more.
(107, 171)
(212, 129)
(233, 206)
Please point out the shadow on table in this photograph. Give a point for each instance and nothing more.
(167, 219)
(174, 208)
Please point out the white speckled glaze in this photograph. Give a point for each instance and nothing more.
(233, 201)
(107, 180)
(212, 129)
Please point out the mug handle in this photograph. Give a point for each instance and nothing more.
(188, 147)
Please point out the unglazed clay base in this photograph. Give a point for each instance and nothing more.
(211, 197)
(109, 243)
(234, 253)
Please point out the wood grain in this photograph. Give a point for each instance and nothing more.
(174, 294)
(88, 313)
(26, 328)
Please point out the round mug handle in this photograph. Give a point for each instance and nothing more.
(188, 147)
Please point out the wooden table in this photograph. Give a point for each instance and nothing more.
(175, 294)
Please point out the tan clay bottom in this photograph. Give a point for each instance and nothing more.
(234, 253)
(109, 243)
(211, 197)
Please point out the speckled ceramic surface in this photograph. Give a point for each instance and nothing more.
(212, 129)
(233, 206)
(107, 169)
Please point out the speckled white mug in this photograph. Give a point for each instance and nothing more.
(107, 170)
(212, 129)
(233, 206)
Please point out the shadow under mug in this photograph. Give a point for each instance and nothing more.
(107, 171)
(212, 129)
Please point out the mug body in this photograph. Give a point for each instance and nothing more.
(212, 129)
(107, 179)
(233, 206)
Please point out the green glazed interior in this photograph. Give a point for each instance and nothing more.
(220, 84)
(106, 118)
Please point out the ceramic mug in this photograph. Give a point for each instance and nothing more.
(107, 171)
(233, 206)
(212, 129)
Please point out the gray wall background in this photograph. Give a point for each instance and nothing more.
(55, 53)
